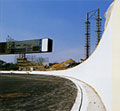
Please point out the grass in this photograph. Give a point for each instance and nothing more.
(36, 93)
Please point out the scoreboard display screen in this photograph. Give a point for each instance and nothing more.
(27, 46)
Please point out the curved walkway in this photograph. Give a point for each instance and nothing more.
(89, 100)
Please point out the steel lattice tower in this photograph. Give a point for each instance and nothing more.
(87, 36)
(98, 25)
(96, 16)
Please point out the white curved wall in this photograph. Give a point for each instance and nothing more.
(116, 57)
(97, 70)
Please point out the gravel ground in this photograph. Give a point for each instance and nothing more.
(36, 93)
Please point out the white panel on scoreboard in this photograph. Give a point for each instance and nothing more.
(44, 45)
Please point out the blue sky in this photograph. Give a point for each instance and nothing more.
(60, 20)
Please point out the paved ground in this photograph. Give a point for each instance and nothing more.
(94, 101)
(36, 93)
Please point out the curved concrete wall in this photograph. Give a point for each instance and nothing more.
(97, 69)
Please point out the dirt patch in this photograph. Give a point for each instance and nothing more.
(14, 95)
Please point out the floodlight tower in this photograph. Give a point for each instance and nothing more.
(96, 16)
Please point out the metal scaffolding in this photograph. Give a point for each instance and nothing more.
(95, 14)
(87, 36)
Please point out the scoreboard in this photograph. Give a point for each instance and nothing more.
(28, 46)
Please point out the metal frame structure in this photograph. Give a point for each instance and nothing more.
(96, 16)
